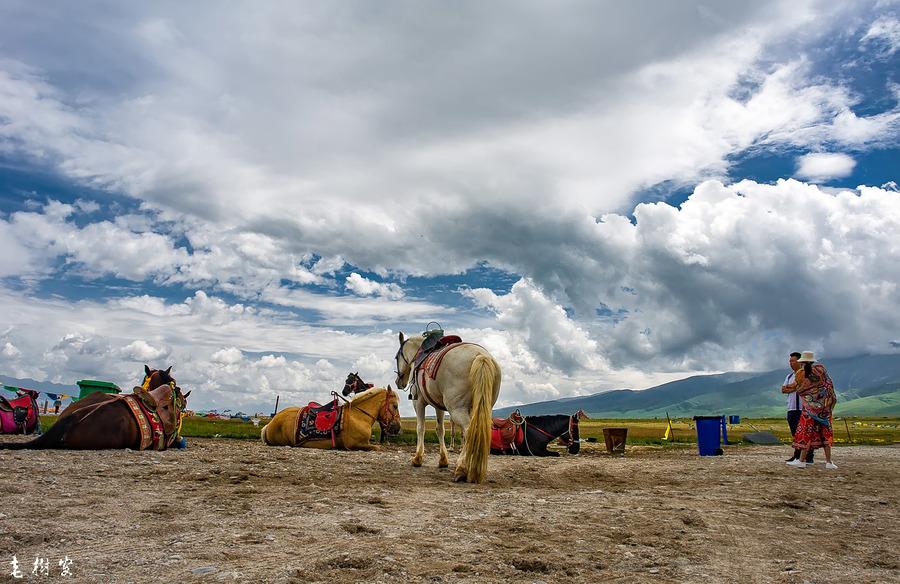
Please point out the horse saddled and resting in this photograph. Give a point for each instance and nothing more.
(456, 377)
(347, 426)
(530, 435)
(147, 419)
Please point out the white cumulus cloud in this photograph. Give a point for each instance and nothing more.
(364, 287)
(820, 167)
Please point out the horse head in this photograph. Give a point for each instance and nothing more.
(153, 378)
(574, 444)
(389, 414)
(354, 384)
(160, 391)
(405, 356)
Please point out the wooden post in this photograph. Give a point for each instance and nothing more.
(277, 397)
(847, 426)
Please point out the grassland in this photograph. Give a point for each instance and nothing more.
(872, 431)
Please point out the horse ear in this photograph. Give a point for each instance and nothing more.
(146, 370)
(169, 370)
(389, 387)
(185, 396)
(401, 336)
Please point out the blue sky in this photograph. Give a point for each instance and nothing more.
(605, 196)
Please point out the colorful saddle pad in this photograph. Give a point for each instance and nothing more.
(315, 422)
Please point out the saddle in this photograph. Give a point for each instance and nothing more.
(318, 422)
(19, 415)
(431, 344)
(507, 434)
(427, 362)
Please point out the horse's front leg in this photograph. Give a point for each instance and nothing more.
(443, 462)
(420, 432)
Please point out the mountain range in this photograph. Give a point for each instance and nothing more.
(867, 385)
(46, 386)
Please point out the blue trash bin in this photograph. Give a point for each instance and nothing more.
(734, 420)
(708, 433)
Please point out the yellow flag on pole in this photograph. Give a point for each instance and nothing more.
(669, 434)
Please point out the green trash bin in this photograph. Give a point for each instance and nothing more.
(89, 386)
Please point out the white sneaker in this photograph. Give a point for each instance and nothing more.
(797, 464)
(830, 465)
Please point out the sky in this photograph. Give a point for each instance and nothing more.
(603, 194)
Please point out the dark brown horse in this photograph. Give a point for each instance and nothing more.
(102, 421)
(355, 384)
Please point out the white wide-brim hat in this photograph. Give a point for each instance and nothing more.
(807, 357)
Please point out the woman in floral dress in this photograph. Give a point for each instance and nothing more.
(816, 390)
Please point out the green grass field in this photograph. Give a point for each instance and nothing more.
(642, 431)
(862, 430)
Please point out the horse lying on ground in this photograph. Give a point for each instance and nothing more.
(347, 426)
(146, 419)
(530, 435)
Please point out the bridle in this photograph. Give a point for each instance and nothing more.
(406, 362)
(573, 422)
(179, 404)
(383, 415)
(354, 384)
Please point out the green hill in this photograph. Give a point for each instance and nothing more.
(868, 385)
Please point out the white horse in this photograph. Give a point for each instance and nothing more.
(467, 385)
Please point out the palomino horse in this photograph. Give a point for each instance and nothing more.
(466, 384)
(353, 385)
(102, 421)
(378, 404)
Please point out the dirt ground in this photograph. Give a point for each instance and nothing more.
(230, 510)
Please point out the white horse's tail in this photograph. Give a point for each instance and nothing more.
(262, 434)
(483, 375)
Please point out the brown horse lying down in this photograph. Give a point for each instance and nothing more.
(102, 421)
(357, 417)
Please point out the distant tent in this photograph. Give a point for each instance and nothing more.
(762, 438)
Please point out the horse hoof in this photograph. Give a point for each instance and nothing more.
(459, 478)
(443, 464)
(416, 462)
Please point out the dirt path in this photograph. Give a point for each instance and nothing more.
(228, 510)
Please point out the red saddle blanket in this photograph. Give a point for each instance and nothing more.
(315, 422)
(19, 415)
